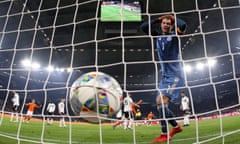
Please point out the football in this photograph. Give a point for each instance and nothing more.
(94, 95)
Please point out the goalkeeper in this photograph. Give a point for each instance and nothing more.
(172, 72)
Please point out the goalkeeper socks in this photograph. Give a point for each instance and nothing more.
(164, 126)
(171, 115)
(165, 112)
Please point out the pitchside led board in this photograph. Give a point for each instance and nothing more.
(120, 10)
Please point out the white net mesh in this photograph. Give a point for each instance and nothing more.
(47, 44)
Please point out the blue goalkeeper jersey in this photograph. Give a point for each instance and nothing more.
(169, 56)
(168, 48)
(168, 52)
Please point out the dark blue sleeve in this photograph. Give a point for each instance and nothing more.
(145, 27)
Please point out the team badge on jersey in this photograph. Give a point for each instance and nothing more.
(169, 38)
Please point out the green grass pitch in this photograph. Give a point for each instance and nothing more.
(112, 13)
(90, 133)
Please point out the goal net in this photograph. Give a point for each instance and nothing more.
(45, 45)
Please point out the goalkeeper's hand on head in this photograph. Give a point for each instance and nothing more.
(181, 26)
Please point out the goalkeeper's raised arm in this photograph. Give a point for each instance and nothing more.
(156, 30)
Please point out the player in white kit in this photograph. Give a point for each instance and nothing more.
(185, 108)
(15, 101)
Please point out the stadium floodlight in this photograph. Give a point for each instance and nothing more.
(69, 69)
(211, 62)
(59, 69)
(50, 68)
(187, 68)
(26, 63)
(200, 66)
(35, 66)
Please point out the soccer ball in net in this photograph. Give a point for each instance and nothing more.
(95, 94)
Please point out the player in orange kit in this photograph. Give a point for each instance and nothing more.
(149, 118)
(31, 108)
(134, 105)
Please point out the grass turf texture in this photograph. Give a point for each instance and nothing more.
(89, 133)
(112, 13)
